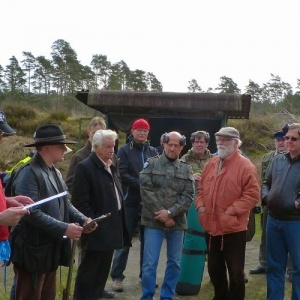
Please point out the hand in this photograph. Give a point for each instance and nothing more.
(162, 215)
(297, 205)
(227, 212)
(197, 176)
(74, 231)
(170, 222)
(12, 215)
(91, 228)
(201, 209)
(18, 201)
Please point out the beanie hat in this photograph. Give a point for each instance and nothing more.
(228, 131)
(140, 124)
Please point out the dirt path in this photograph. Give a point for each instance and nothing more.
(132, 287)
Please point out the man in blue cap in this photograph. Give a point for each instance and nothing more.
(279, 143)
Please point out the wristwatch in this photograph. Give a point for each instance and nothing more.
(169, 213)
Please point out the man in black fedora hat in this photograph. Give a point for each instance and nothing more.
(40, 242)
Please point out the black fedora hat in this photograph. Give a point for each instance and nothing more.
(49, 135)
(4, 127)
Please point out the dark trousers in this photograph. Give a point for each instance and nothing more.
(231, 258)
(35, 286)
(92, 275)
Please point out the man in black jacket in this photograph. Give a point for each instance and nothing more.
(97, 191)
(280, 190)
(95, 124)
(132, 157)
(40, 238)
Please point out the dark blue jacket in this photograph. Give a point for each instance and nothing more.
(132, 157)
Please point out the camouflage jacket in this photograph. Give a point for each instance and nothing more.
(166, 185)
(194, 161)
(266, 160)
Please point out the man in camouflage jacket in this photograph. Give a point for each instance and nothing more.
(167, 191)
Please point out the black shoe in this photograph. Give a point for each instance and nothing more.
(107, 294)
(258, 270)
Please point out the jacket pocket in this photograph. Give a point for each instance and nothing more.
(35, 258)
(228, 223)
(158, 178)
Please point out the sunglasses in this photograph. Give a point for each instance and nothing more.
(292, 138)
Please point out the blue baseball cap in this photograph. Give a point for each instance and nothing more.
(4, 127)
(279, 135)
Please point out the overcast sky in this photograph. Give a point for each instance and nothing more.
(176, 40)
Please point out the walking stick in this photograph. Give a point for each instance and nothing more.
(66, 291)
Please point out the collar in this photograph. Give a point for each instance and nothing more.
(166, 161)
(206, 154)
(106, 165)
(288, 156)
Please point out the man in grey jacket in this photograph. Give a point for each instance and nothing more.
(41, 238)
(280, 190)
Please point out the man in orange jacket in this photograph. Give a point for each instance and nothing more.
(228, 190)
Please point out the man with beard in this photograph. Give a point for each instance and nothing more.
(227, 191)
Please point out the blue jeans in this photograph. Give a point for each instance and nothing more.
(153, 239)
(121, 255)
(282, 238)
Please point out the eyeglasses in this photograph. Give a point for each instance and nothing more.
(292, 138)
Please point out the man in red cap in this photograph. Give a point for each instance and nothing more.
(132, 157)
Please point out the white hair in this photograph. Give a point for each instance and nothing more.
(100, 135)
(239, 143)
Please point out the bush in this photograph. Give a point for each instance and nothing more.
(58, 116)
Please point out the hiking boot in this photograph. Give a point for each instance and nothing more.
(117, 286)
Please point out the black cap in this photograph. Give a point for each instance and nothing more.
(279, 135)
(4, 127)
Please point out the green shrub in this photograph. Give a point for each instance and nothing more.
(58, 116)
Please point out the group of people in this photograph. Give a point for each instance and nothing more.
(140, 189)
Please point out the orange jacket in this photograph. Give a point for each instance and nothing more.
(235, 189)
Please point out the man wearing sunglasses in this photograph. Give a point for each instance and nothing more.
(279, 190)
(279, 143)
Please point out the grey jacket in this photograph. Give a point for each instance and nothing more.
(280, 186)
(166, 185)
(46, 224)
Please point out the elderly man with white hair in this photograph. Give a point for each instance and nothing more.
(97, 191)
(227, 191)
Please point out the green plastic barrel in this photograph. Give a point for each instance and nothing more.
(193, 256)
